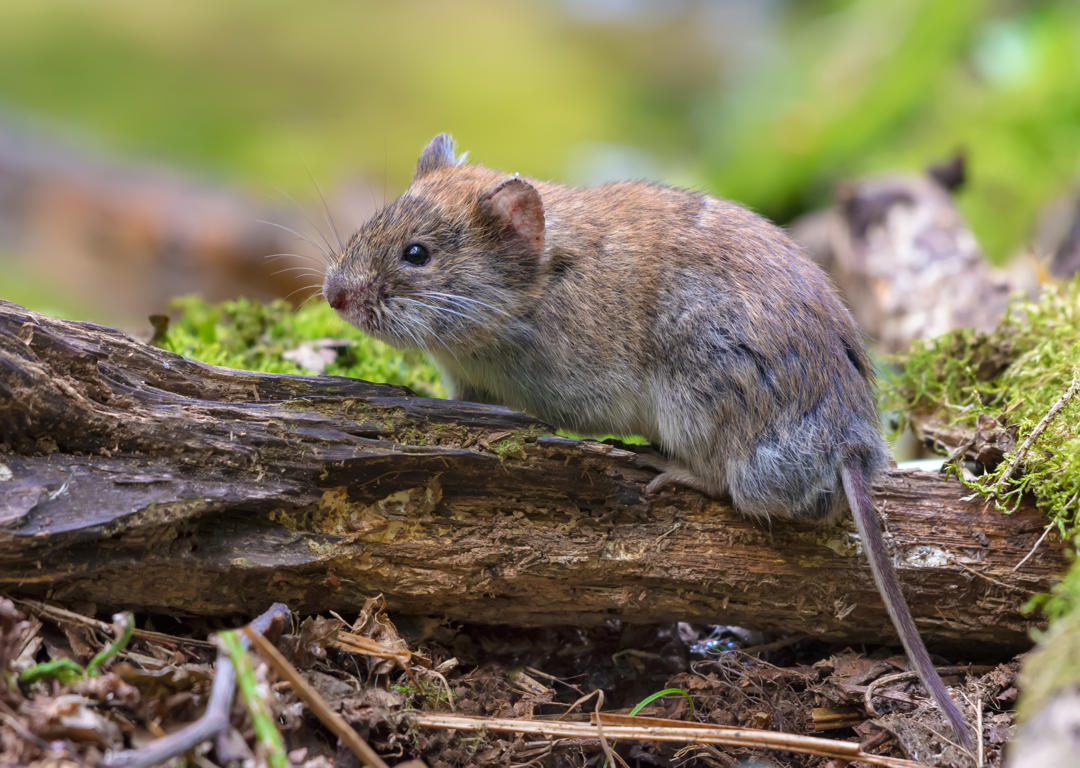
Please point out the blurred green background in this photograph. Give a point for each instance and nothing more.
(767, 102)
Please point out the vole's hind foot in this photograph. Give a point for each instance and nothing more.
(678, 476)
(672, 474)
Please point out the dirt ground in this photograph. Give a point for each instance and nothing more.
(378, 673)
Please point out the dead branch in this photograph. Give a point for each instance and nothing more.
(216, 717)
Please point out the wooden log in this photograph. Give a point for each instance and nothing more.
(131, 477)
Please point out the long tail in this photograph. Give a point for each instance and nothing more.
(866, 521)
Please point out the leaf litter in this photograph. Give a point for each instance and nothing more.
(445, 695)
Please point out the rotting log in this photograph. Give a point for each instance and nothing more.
(131, 477)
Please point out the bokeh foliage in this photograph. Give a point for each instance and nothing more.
(768, 103)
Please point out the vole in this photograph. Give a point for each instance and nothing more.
(638, 309)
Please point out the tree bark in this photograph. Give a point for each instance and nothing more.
(131, 477)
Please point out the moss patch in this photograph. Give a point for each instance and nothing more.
(253, 336)
(1018, 375)
(1015, 374)
(512, 445)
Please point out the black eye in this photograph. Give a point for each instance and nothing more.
(417, 254)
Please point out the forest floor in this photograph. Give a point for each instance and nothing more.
(379, 675)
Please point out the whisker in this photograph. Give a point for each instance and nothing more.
(301, 288)
(310, 221)
(302, 270)
(440, 340)
(436, 309)
(469, 299)
(400, 324)
(326, 213)
(426, 331)
(463, 313)
(375, 205)
(327, 256)
(416, 334)
(385, 173)
(314, 295)
(305, 257)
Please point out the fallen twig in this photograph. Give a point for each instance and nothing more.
(262, 719)
(57, 613)
(214, 720)
(825, 719)
(868, 695)
(1022, 451)
(366, 646)
(1040, 540)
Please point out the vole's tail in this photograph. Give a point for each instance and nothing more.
(857, 488)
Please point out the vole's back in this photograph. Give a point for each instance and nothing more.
(703, 327)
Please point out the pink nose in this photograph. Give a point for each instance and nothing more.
(336, 297)
(334, 290)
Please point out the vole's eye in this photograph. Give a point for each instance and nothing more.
(416, 254)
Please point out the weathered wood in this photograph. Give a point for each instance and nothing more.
(140, 479)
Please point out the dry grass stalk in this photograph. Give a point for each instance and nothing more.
(315, 702)
(648, 729)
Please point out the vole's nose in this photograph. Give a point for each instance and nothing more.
(335, 292)
(336, 297)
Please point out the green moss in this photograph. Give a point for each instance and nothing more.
(1063, 599)
(1055, 663)
(1014, 374)
(254, 336)
(513, 445)
(1017, 374)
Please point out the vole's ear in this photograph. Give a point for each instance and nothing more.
(439, 153)
(514, 206)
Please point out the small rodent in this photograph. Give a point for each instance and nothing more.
(634, 308)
